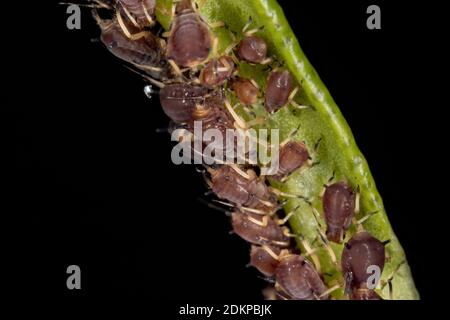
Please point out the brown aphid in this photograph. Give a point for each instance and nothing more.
(144, 53)
(278, 89)
(258, 229)
(141, 13)
(217, 71)
(179, 101)
(292, 156)
(246, 91)
(298, 278)
(339, 210)
(249, 192)
(252, 49)
(189, 41)
(265, 259)
(360, 252)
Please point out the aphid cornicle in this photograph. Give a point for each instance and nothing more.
(142, 11)
(252, 49)
(246, 91)
(292, 156)
(339, 209)
(144, 53)
(263, 259)
(360, 252)
(179, 100)
(189, 41)
(278, 89)
(258, 229)
(253, 192)
(298, 278)
(217, 71)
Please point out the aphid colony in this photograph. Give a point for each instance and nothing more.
(195, 85)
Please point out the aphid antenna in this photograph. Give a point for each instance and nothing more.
(330, 290)
(247, 25)
(366, 217)
(267, 279)
(213, 206)
(242, 208)
(328, 248)
(155, 82)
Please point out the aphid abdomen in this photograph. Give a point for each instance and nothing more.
(298, 278)
(249, 227)
(339, 209)
(179, 100)
(278, 88)
(217, 71)
(190, 41)
(262, 258)
(360, 252)
(252, 49)
(246, 91)
(292, 156)
(145, 53)
(142, 10)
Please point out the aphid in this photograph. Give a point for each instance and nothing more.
(265, 259)
(258, 229)
(278, 89)
(292, 156)
(189, 41)
(141, 13)
(144, 53)
(339, 209)
(250, 191)
(360, 252)
(298, 278)
(252, 49)
(246, 91)
(179, 100)
(217, 71)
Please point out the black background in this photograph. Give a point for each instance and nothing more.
(90, 182)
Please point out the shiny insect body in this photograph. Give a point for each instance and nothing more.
(339, 202)
(141, 13)
(297, 277)
(292, 156)
(279, 87)
(217, 71)
(189, 42)
(252, 49)
(246, 91)
(361, 252)
(257, 229)
(247, 191)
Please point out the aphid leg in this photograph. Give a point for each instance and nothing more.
(262, 223)
(330, 290)
(288, 216)
(289, 195)
(247, 25)
(147, 15)
(328, 249)
(366, 217)
(310, 252)
(175, 67)
(125, 30)
(155, 82)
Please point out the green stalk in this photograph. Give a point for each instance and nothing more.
(337, 152)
